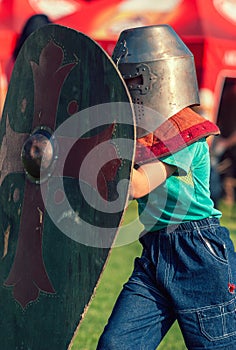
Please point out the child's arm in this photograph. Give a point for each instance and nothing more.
(149, 176)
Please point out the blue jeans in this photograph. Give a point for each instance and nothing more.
(188, 274)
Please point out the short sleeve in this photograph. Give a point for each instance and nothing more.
(182, 159)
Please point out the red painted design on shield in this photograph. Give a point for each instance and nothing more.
(49, 77)
(80, 150)
(28, 274)
(73, 107)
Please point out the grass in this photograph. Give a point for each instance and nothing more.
(117, 271)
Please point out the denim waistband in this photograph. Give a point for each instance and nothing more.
(190, 225)
(199, 223)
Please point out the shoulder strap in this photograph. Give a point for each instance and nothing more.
(181, 130)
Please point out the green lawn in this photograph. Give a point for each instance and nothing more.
(116, 273)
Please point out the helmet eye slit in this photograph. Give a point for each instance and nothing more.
(135, 81)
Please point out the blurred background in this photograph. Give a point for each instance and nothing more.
(208, 28)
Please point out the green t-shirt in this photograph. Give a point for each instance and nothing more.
(185, 195)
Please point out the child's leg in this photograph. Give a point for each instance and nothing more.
(203, 286)
(141, 316)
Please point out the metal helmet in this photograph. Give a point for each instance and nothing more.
(165, 68)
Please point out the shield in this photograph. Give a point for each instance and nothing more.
(67, 145)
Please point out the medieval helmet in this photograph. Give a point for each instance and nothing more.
(159, 71)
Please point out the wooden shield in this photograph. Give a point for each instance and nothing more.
(67, 145)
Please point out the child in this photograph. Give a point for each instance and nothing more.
(187, 270)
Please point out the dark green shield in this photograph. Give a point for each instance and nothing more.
(67, 144)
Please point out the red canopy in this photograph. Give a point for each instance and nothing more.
(208, 27)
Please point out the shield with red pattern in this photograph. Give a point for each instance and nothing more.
(67, 145)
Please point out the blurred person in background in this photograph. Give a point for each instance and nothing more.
(223, 169)
(226, 145)
(33, 23)
(223, 148)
